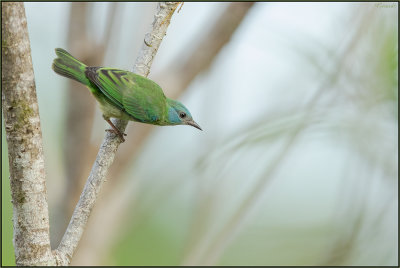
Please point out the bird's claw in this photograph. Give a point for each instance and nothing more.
(119, 134)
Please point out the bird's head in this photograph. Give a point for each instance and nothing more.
(178, 114)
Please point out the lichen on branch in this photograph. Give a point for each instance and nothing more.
(24, 140)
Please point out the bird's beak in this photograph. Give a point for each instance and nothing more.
(194, 124)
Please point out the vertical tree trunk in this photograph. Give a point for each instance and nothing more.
(25, 150)
(24, 139)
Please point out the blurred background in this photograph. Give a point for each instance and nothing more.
(297, 163)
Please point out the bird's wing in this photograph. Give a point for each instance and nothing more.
(109, 82)
(145, 101)
(138, 96)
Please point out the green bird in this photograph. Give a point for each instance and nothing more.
(124, 95)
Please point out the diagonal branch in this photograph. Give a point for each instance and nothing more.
(108, 149)
(79, 115)
(177, 78)
(174, 80)
(81, 105)
(24, 139)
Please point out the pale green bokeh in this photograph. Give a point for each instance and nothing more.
(6, 207)
(336, 181)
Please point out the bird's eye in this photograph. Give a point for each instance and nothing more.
(182, 115)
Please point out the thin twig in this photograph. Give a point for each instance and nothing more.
(81, 109)
(108, 149)
(79, 118)
(174, 77)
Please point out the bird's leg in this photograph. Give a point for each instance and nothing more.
(114, 129)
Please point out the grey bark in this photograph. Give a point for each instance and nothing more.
(175, 79)
(24, 139)
(179, 76)
(108, 149)
(26, 160)
(81, 105)
(80, 111)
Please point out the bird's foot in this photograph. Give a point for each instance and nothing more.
(114, 129)
(118, 133)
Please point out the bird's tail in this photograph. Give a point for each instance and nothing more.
(66, 65)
